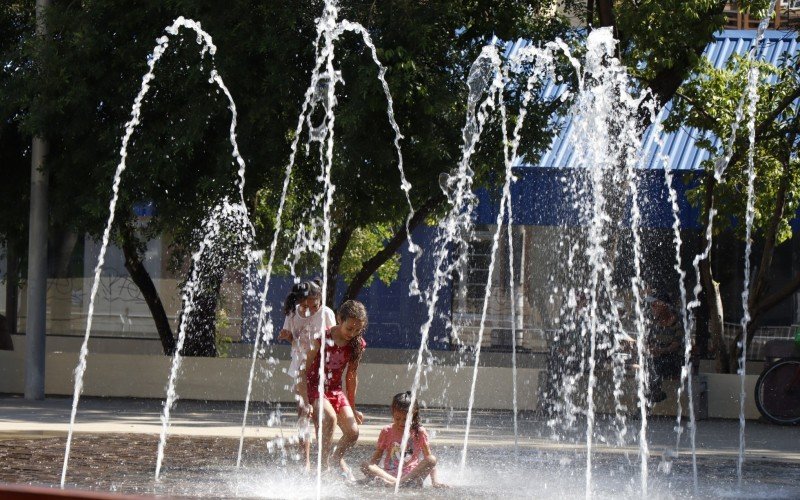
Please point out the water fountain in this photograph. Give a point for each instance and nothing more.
(608, 142)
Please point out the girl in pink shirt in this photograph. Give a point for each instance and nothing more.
(415, 470)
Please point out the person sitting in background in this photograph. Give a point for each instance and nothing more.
(665, 343)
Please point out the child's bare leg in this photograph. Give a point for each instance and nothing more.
(347, 423)
(421, 471)
(372, 470)
(306, 444)
(328, 421)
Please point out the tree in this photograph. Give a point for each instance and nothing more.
(709, 102)
(661, 42)
(179, 159)
(427, 48)
(16, 20)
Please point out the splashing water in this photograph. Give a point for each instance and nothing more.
(752, 88)
(720, 165)
(223, 217)
(752, 96)
(455, 229)
(608, 148)
(321, 91)
(687, 315)
(207, 47)
(544, 65)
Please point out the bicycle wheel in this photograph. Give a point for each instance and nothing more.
(778, 392)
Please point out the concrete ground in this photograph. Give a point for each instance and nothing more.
(113, 452)
(20, 418)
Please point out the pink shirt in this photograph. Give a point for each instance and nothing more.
(389, 441)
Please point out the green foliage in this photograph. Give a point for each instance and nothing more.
(365, 243)
(79, 97)
(180, 157)
(15, 22)
(661, 41)
(708, 103)
(427, 48)
(661, 31)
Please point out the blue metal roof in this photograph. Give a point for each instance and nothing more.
(679, 146)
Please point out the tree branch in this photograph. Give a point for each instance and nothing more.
(667, 80)
(369, 267)
(742, 144)
(335, 255)
(772, 300)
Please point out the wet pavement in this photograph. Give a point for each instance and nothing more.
(115, 443)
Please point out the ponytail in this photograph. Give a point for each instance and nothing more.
(402, 402)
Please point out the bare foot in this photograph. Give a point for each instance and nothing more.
(346, 473)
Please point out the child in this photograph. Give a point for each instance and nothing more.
(344, 344)
(414, 470)
(305, 318)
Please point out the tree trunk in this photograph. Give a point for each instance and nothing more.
(715, 317)
(605, 12)
(334, 262)
(711, 287)
(667, 80)
(6, 344)
(201, 327)
(369, 267)
(63, 243)
(140, 276)
(760, 285)
(764, 269)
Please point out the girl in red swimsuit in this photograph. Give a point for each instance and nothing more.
(344, 344)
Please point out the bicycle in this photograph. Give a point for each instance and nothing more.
(777, 392)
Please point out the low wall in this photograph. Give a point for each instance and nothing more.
(723, 391)
(382, 374)
(225, 379)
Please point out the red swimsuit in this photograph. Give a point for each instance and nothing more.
(336, 358)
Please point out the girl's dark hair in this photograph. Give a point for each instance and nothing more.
(356, 310)
(300, 291)
(402, 402)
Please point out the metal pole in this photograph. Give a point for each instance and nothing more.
(37, 256)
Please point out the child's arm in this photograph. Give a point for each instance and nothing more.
(351, 379)
(286, 330)
(375, 459)
(426, 452)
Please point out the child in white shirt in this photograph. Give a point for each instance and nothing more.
(306, 318)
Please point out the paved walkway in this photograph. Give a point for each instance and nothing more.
(30, 419)
(113, 451)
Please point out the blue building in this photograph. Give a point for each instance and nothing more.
(541, 212)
